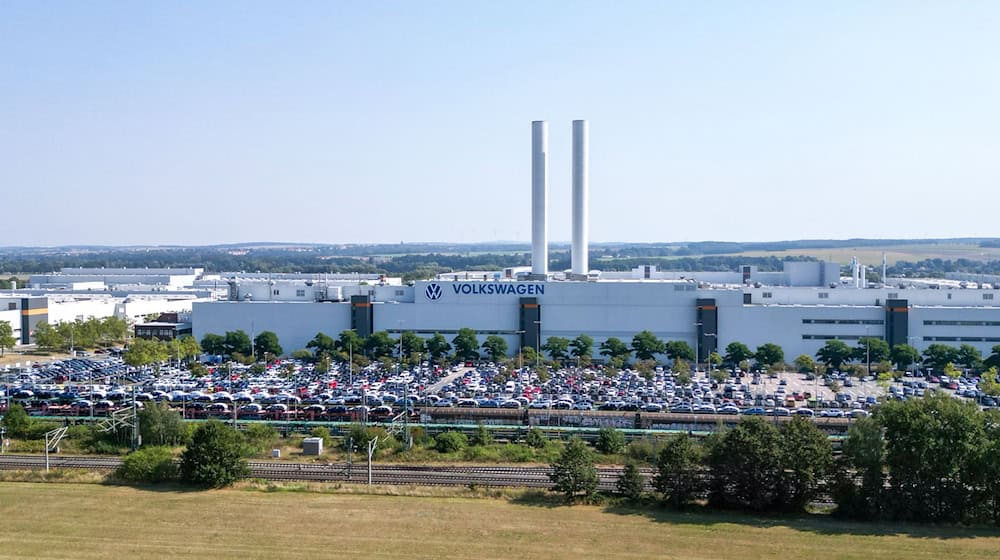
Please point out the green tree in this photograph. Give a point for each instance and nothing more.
(834, 353)
(904, 355)
(970, 357)
(988, 383)
(574, 473)
(630, 484)
(646, 346)
(214, 458)
(871, 349)
(720, 376)
(7, 340)
(807, 459)
(860, 481)
(142, 352)
(613, 348)
(769, 354)
(160, 425)
(380, 345)
(16, 421)
(466, 345)
(937, 356)
(438, 347)
(610, 441)
(48, 338)
(993, 360)
(495, 347)
(258, 438)
(582, 347)
(149, 464)
(267, 343)
(932, 447)
(678, 470)
(349, 341)
(412, 344)
(805, 364)
(679, 350)
(737, 352)
(113, 330)
(715, 360)
(237, 342)
(323, 343)
(557, 347)
(746, 467)
(214, 344)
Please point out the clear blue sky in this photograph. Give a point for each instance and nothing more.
(205, 122)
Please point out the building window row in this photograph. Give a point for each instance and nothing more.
(964, 323)
(843, 322)
(832, 337)
(962, 339)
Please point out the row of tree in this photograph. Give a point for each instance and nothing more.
(82, 333)
(930, 459)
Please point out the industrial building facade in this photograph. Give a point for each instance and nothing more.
(799, 319)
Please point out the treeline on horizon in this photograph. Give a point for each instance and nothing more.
(424, 260)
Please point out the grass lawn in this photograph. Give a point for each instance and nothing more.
(96, 521)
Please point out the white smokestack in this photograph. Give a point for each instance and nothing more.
(539, 198)
(581, 184)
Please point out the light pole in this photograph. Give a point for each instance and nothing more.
(538, 343)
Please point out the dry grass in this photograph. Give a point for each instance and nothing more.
(94, 521)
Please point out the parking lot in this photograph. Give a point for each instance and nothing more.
(289, 389)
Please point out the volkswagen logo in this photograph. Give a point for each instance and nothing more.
(433, 291)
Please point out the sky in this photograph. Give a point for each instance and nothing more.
(129, 123)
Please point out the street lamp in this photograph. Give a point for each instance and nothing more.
(538, 343)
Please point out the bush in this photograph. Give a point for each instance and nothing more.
(610, 441)
(536, 439)
(149, 464)
(642, 450)
(482, 437)
(17, 421)
(215, 456)
(159, 425)
(322, 432)
(450, 442)
(259, 438)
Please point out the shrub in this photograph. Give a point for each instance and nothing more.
(159, 425)
(536, 439)
(17, 421)
(322, 432)
(482, 437)
(259, 437)
(642, 450)
(214, 457)
(610, 441)
(149, 464)
(450, 442)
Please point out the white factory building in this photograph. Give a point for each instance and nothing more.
(799, 308)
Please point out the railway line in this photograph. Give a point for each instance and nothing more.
(382, 473)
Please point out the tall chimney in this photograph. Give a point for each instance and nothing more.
(581, 184)
(539, 198)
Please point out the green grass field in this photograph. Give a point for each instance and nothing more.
(83, 521)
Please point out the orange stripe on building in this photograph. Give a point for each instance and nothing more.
(28, 312)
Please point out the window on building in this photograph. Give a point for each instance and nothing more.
(11, 306)
(949, 296)
(765, 294)
(824, 295)
(276, 292)
(400, 293)
(300, 293)
(987, 296)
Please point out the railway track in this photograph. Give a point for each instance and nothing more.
(382, 473)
